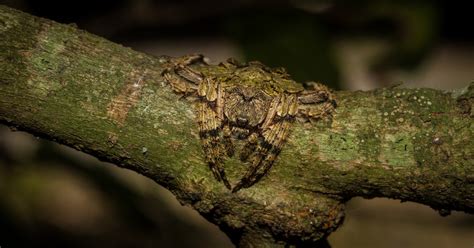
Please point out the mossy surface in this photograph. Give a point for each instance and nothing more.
(110, 101)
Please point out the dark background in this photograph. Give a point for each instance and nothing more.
(52, 195)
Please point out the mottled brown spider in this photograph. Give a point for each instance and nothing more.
(249, 102)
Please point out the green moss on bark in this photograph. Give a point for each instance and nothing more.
(110, 101)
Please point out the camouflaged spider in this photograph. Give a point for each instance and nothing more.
(247, 102)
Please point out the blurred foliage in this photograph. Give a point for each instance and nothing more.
(410, 27)
(290, 38)
(300, 36)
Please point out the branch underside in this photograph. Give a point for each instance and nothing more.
(78, 89)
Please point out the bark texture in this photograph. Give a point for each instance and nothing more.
(67, 85)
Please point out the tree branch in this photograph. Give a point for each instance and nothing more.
(81, 90)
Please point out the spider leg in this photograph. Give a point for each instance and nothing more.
(266, 153)
(193, 58)
(315, 103)
(275, 130)
(210, 128)
(182, 78)
(271, 112)
(249, 148)
(177, 83)
(228, 145)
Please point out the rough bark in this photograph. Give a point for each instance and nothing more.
(67, 85)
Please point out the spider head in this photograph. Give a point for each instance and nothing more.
(246, 107)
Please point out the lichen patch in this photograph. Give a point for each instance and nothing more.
(7, 21)
(47, 63)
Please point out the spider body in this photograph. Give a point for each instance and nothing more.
(248, 102)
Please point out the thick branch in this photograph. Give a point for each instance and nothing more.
(76, 88)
